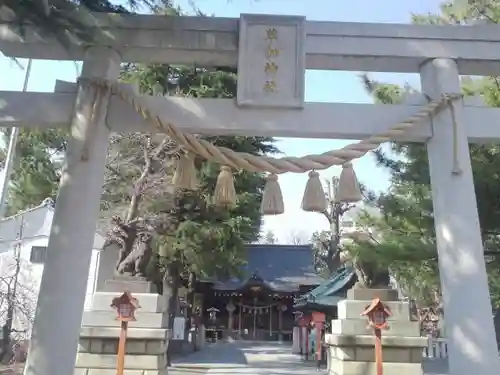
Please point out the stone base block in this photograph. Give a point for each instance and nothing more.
(351, 309)
(360, 327)
(354, 355)
(145, 351)
(367, 354)
(336, 367)
(139, 341)
(369, 340)
(108, 319)
(368, 294)
(132, 334)
(148, 302)
(100, 371)
(130, 284)
(132, 361)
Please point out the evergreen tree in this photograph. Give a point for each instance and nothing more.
(37, 167)
(405, 240)
(64, 19)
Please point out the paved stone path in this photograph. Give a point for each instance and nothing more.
(260, 358)
(244, 357)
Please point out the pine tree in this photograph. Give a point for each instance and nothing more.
(37, 167)
(64, 19)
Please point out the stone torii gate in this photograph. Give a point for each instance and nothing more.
(265, 107)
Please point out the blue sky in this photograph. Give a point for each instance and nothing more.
(321, 86)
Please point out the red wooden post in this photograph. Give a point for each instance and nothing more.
(377, 314)
(125, 306)
(319, 321)
(120, 357)
(378, 351)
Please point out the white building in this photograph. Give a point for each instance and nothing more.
(25, 237)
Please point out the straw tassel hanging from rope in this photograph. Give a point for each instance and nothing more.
(225, 193)
(272, 197)
(185, 172)
(348, 190)
(314, 199)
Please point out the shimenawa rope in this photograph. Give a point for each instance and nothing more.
(314, 198)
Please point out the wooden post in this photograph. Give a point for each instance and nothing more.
(254, 316)
(125, 306)
(301, 335)
(240, 317)
(120, 358)
(319, 322)
(306, 352)
(270, 321)
(280, 322)
(378, 351)
(319, 329)
(377, 314)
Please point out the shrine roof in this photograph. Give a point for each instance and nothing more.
(282, 268)
(327, 294)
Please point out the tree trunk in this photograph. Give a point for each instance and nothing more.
(190, 323)
(333, 256)
(171, 284)
(190, 296)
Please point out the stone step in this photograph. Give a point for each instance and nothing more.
(368, 294)
(132, 333)
(108, 319)
(348, 309)
(369, 340)
(360, 327)
(370, 368)
(148, 302)
(101, 371)
(132, 362)
(133, 346)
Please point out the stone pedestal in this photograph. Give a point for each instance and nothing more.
(350, 345)
(147, 337)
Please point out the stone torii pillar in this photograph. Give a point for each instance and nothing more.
(60, 304)
(472, 345)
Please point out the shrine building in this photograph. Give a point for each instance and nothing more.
(258, 305)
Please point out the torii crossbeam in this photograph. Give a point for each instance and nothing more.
(438, 53)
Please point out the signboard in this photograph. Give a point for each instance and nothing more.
(271, 61)
(179, 328)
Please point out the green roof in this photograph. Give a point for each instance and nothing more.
(326, 293)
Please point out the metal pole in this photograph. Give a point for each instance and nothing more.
(9, 161)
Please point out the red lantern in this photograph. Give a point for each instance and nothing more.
(377, 314)
(125, 307)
